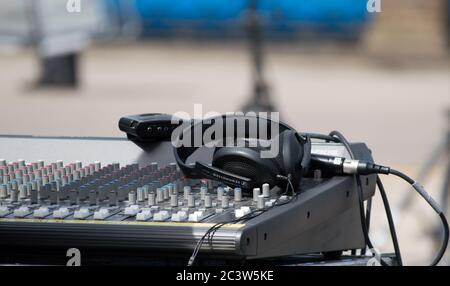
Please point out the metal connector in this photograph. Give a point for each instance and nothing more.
(350, 166)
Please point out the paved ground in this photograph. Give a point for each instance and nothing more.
(398, 111)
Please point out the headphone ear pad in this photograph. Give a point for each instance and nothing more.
(247, 162)
(292, 154)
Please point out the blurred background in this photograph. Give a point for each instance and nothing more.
(74, 67)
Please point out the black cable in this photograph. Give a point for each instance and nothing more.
(368, 216)
(365, 221)
(436, 208)
(444, 243)
(401, 175)
(209, 234)
(343, 166)
(368, 213)
(362, 217)
(392, 230)
(358, 168)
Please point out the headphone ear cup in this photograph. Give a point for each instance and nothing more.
(292, 154)
(247, 162)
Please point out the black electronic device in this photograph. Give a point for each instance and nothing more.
(149, 127)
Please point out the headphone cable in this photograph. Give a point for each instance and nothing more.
(209, 234)
(338, 135)
(391, 223)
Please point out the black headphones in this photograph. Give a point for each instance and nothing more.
(241, 165)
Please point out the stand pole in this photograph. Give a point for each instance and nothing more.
(260, 99)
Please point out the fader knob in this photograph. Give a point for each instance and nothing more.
(92, 197)
(174, 200)
(132, 198)
(179, 216)
(144, 215)
(131, 210)
(256, 194)
(186, 192)
(237, 194)
(146, 191)
(208, 201)
(170, 189)
(13, 195)
(151, 199)
(4, 210)
(21, 162)
(166, 193)
(101, 214)
(82, 213)
(140, 194)
(161, 216)
(159, 195)
(225, 202)
(41, 212)
(61, 213)
(33, 196)
(3, 192)
(22, 192)
(97, 166)
(23, 211)
(220, 192)
(203, 192)
(191, 201)
(40, 163)
(261, 202)
(266, 190)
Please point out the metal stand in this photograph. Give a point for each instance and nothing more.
(260, 99)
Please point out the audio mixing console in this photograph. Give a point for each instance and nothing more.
(143, 203)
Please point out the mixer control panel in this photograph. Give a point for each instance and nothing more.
(73, 191)
(111, 196)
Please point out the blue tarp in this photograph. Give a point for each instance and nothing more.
(228, 15)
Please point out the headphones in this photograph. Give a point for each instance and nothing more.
(241, 164)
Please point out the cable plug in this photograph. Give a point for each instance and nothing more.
(365, 168)
(344, 166)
